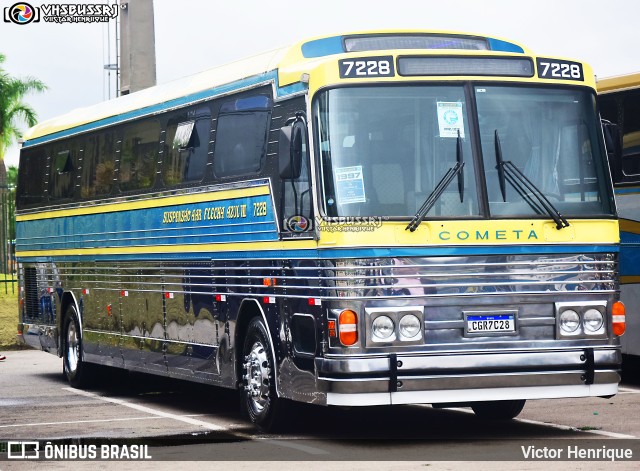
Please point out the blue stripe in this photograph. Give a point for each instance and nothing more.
(230, 220)
(627, 191)
(346, 253)
(323, 47)
(629, 255)
(504, 46)
(177, 102)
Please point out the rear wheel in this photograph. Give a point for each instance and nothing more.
(77, 372)
(259, 398)
(498, 410)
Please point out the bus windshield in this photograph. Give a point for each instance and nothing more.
(384, 150)
(550, 135)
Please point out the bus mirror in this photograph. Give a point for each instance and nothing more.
(612, 138)
(291, 147)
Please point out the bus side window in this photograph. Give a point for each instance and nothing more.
(241, 136)
(631, 136)
(296, 189)
(139, 155)
(186, 146)
(31, 177)
(62, 170)
(98, 165)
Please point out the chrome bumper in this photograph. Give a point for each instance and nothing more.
(465, 377)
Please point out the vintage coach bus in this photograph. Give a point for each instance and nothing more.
(619, 100)
(362, 219)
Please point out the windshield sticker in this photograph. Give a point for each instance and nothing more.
(450, 119)
(350, 185)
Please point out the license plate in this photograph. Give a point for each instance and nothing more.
(490, 323)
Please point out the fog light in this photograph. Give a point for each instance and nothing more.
(569, 321)
(593, 320)
(383, 328)
(409, 327)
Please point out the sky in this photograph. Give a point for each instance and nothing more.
(195, 35)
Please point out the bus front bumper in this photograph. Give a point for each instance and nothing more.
(469, 377)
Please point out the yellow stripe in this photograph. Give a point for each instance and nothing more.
(621, 82)
(148, 203)
(628, 225)
(164, 249)
(478, 233)
(628, 280)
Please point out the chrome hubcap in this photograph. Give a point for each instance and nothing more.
(73, 347)
(256, 376)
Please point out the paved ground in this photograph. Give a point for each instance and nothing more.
(179, 421)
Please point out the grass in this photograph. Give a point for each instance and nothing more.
(8, 315)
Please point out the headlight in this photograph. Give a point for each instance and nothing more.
(383, 329)
(593, 320)
(409, 327)
(569, 321)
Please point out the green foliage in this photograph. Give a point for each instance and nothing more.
(13, 110)
(12, 176)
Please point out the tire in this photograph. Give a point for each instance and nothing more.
(259, 400)
(498, 410)
(77, 372)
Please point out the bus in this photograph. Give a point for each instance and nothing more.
(619, 101)
(370, 218)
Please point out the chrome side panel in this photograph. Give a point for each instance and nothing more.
(180, 319)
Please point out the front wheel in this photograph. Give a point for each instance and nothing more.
(498, 410)
(259, 398)
(76, 371)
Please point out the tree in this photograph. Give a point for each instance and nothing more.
(14, 111)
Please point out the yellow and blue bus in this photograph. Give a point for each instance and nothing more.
(619, 100)
(376, 218)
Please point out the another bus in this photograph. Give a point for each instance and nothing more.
(377, 218)
(619, 100)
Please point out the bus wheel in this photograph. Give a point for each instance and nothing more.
(75, 370)
(498, 410)
(259, 399)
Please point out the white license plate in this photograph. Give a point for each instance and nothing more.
(477, 323)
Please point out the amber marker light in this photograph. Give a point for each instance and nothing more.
(348, 327)
(619, 318)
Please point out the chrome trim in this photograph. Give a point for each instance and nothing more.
(471, 395)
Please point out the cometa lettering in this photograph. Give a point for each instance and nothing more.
(501, 234)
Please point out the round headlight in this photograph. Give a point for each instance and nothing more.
(409, 326)
(569, 321)
(382, 328)
(593, 320)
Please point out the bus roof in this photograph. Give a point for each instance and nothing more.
(280, 67)
(618, 83)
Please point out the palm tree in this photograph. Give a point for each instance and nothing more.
(13, 111)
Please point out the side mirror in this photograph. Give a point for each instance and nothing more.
(612, 139)
(291, 148)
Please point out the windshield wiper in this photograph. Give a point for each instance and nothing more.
(440, 187)
(508, 172)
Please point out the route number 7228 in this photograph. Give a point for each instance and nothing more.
(559, 69)
(367, 67)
